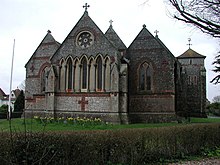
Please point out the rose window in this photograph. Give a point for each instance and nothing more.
(85, 39)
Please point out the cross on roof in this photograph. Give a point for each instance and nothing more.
(86, 6)
(189, 40)
(156, 32)
(110, 22)
(83, 103)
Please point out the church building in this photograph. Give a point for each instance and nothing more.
(93, 74)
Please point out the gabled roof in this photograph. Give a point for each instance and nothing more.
(2, 93)
(85, 23)
(47, 40)
(115, 39)
(145, 40)
(191, 54)
(164, 46)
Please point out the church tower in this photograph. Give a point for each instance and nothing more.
(195, 84)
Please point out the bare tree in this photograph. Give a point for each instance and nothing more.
(204, 14)
(216, 99)
(216, 80)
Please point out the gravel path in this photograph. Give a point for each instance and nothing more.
(206, 161)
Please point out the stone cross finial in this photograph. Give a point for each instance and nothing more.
(189, 40)
(110, 22)
(86, 6)
(156, 32)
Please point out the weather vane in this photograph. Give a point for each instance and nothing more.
(189, 40)
(86, 6)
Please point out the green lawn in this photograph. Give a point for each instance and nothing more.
(32, 125)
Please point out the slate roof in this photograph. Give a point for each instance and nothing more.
(191, 54)
(115, 39)
(48, 39)
(144, 40)
(69, 46)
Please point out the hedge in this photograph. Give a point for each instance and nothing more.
(125, 146)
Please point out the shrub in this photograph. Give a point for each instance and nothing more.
(125, 146)
(4, 108)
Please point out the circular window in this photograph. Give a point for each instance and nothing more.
(85, 39)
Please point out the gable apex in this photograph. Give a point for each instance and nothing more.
(84, 38)
(144, 40)
(115, 39)
(47, 41)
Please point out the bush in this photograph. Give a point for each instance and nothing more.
(4, 108)
(125, 146)
(214, 108)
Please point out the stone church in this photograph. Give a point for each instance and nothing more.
(93, 74)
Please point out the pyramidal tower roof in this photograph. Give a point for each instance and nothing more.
(114, 38)
(191, 54)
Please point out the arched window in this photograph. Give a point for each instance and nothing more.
(107, 75)
(43, 80)
(69, 73)
(84, 73)
(62, 76)
(99, 73)
(145, 77)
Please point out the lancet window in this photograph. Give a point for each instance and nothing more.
(62, 76)
(145, 77)
(69, 74)
(43, 79)
(99, 73)
(84, 73)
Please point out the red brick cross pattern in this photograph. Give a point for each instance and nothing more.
(83, 103)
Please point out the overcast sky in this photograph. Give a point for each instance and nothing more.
(27, 21)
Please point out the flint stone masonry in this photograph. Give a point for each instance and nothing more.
(98, 76)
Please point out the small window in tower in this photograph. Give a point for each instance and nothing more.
(195, 80)
(192, 80)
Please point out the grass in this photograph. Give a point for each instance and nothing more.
(205, 120)
(32, 125)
